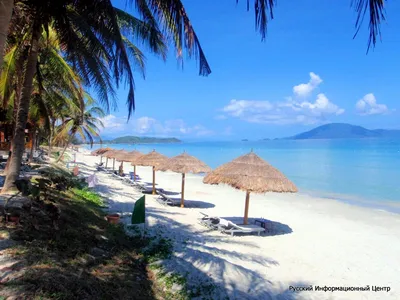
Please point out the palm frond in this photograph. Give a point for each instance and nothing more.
(148, 34)
(137, 56)
(9, 62)
(376, 11)
(176, 23)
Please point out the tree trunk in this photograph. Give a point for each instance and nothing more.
(51, 135)
(246, 208)
(6, 9)
(33, 145)
(17, 99)
(183, 191)
(18, 142)
(65, 148)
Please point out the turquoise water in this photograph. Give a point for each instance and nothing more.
(365, 169)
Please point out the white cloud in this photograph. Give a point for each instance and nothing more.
(292, 110)
(305, 89)
(149, 126)
(236, 108)
(220, 117)
(112, 123)
(369, 106)
(285, 112)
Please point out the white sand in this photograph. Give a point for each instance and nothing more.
(331, 243)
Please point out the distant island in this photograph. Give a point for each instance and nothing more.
(344, 131)
(141, 140)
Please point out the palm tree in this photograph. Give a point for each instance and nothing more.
(55, 81)
(96, 52)
(85, 123)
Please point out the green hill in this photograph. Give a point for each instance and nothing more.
(344, 131)
(141, 140)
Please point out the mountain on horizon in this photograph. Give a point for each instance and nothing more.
(130, 139)
(344, 131)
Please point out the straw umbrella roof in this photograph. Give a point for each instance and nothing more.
(100, 151)
(129, 156)
(251, 173)
(134, 156)
(184, 163)
(151, 159)
(120, 155)
(112, 153)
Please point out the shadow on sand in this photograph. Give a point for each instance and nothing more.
(232, 273)
(193, 203)
(215, 265)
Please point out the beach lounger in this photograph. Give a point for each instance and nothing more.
(118, 176)
(227, 226)
(167, 200)
(103, 169)
(143, 188)
(209, 222)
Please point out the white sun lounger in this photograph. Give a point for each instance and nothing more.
(167, 200)
(118, 176)
(209, 221)
(232, 228)
(103, 169)
(227, 226)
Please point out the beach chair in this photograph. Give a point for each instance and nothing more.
(102, 168)
(167, 200)
(227, 226)
(143, 188)
(118, 176)
(209, 222)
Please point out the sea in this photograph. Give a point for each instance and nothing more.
(364, 172)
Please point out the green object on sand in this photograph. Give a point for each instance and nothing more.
(138, 214)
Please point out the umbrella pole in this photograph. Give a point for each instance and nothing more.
(134, 173)
(183, 191)
(101, 158)
(106, 162)
(113, 164)
(246, 208)
(154, 180)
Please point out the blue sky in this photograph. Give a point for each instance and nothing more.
(309, 71)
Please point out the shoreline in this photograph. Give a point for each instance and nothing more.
(390, 206)
(374, 204)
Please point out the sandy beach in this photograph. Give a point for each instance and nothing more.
(310, 241)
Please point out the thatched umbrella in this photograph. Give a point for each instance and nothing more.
(100, 152)
(108, 155)
(133, 157)
(184, 163)
(125, 156)
(251, 173)
(153, 159)
(119, 156)
(112, 154)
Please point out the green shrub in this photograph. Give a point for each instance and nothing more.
(63, 179)
(88, 195)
